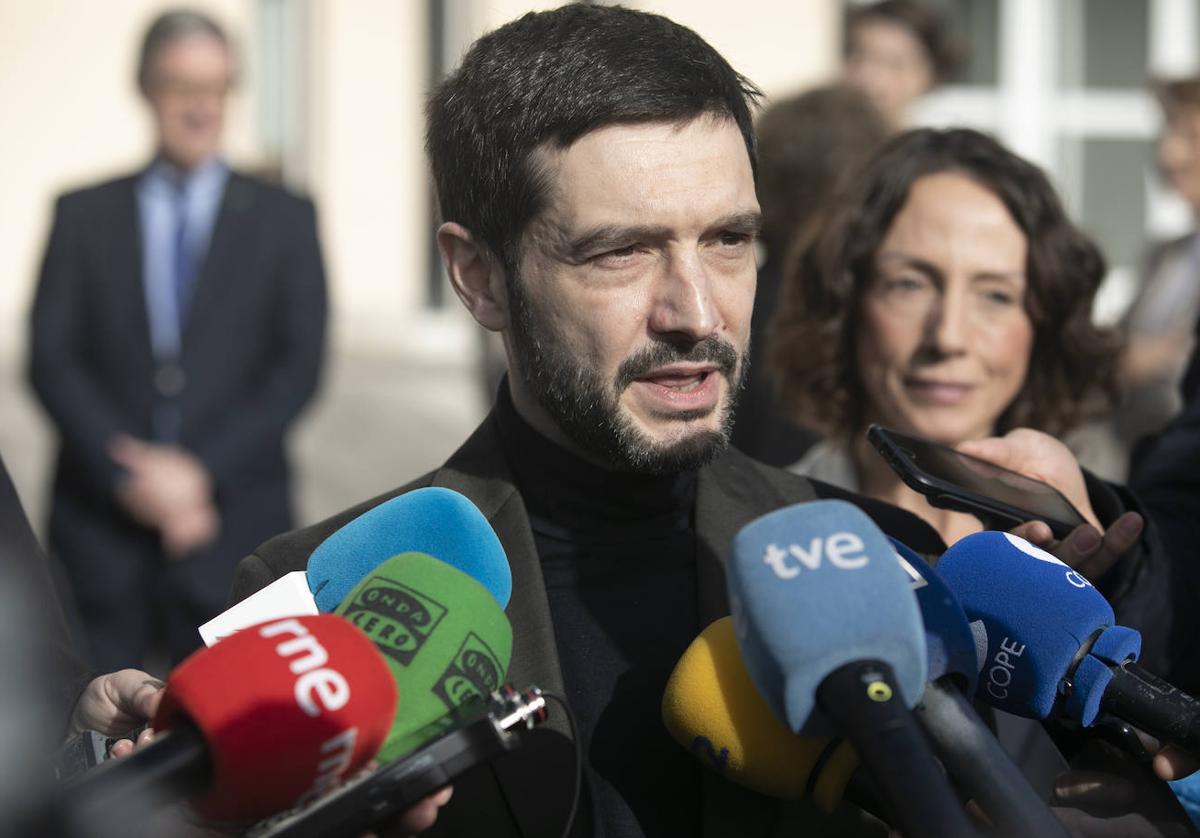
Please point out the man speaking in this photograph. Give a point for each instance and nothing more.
(595, 170)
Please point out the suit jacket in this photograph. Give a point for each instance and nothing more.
(26, 575)
(250, 355)
(527, 792)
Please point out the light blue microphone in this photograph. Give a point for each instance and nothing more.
(433, 520)
(831, 634)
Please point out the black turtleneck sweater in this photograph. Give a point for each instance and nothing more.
(617, 552)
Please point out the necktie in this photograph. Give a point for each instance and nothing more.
(184, 260)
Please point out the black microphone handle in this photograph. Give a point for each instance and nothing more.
(980, 765)
(865, 703)
(1150, 703)
(175, 765)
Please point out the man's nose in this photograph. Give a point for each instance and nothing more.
(683, 303)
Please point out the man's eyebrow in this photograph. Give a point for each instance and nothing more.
(749, 222)
(610, 236)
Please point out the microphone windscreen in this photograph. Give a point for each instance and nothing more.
(949, 643)
(445, 639)
(814, 587)
(712, 708)
(1037, 613)
(433, 520)
(287, 708)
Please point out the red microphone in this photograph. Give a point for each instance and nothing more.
(267, 719)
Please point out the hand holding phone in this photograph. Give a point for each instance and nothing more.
(950, 479)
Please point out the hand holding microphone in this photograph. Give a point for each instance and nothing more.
(270, 716)
(117, 702)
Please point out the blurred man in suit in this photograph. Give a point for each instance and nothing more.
(177, 331)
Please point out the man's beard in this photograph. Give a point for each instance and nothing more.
(587, 408)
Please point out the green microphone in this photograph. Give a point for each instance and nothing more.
(444, 637)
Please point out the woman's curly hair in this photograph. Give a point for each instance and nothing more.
(812, 337)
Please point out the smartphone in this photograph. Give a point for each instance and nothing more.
(473, 733)
(949, 479)
(81, 753)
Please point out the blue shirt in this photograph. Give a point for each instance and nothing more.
(162, 192)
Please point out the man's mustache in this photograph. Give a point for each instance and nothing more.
(710, 350)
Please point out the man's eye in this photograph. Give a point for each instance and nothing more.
(732, 239)
(616, 256)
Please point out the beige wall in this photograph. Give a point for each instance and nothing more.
(779, 45)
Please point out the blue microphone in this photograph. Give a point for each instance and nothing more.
(950, 645)
(832, 637)
(432, 520)
(1053, 647)
(973, 757)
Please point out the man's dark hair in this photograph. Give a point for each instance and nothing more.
(813, 337)
(946, 54)
(551, 77)
(164, 29)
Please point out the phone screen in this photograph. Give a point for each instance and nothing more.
(979, 477)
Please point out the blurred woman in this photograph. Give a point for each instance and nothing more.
(1162, 320)
(950, 298)
(896, 51)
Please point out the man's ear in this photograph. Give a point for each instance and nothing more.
(476, 275)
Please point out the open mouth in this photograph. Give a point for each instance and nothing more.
(673, 390)
(680, 383)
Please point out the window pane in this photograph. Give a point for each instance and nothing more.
(1105, 43)
(1113, 195)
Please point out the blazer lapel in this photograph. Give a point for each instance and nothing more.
(479, 471)
(128, 272)
(730, 493)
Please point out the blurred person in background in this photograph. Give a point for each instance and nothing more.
(950, 299)
(177, 330)
(809, 147)
(896, 51)
(1161, 322)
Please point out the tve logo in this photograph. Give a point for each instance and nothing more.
(844, 550)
